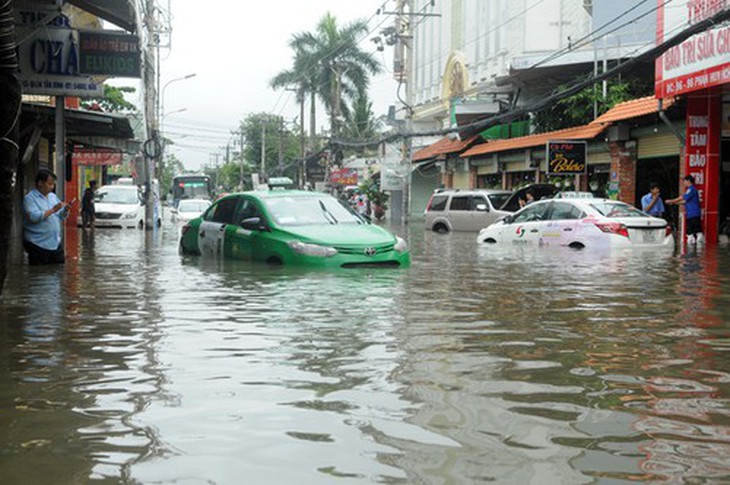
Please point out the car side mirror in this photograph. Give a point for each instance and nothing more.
(482, 207)
(507, 219)
(254, 224)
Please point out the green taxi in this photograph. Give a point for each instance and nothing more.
(291, 227)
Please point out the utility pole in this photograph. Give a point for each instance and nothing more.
(152, 145)
(280, 168)
(263, 150)
(303, 162)
(241, 135)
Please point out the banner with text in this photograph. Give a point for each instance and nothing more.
(702, 160)
(700, 62)
(86, 156)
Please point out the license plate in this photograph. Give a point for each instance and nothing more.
(649, 236)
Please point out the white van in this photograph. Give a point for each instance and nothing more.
(122, 205)
(464, 210)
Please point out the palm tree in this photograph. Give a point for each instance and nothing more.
(329, 64)
(360, 124)
(301, 78)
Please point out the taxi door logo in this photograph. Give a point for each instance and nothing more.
(520, 231)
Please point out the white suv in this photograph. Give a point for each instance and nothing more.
(465, 210)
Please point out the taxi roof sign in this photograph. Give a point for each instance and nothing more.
(279, 182)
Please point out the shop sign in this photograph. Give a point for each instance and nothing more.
(49, 58)
(109, 54)
(700, 62)
(345, 176)
(702, 158)
(567, 157)
(97, 157)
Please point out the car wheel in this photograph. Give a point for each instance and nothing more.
(576, 245)
(490, 241)
(274, 261)
(440, 228)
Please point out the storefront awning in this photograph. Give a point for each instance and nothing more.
(443, 147)
(78, 122)
(585, 132)
(634, 108)
(119, 12)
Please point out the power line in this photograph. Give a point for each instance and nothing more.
(480, 125)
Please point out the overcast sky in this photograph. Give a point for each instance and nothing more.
(235, 48)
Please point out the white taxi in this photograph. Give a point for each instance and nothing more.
(579, 223)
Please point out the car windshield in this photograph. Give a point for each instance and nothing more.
(302, 211)
(193, 205)
(616, 210)
(117, 195)
(498, 200)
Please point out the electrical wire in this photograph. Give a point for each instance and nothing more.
(480, 125)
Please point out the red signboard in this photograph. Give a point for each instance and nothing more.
(702, 159)
(700, 62)
(345, 176)
(85, 156)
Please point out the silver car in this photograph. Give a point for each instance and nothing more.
(465, 210)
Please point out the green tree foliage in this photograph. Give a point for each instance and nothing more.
(282, 144)
(172, 167)
(360, 122)
(577, 110)
(329, 63)
(113, 100)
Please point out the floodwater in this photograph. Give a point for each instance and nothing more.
(132, 364)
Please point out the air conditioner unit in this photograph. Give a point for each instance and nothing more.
(618, 133)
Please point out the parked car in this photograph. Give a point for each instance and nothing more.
(291, 227)
(189, 209)
(464, 210)
(122, 206)
(539, 192)
(579, 223)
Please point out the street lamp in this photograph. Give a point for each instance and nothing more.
(162, 97)
(162, 119)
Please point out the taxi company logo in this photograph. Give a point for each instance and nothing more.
(369, 251)
(520, 231)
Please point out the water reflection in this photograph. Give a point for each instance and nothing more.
(550, 366)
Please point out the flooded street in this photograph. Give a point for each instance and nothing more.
(134, 364)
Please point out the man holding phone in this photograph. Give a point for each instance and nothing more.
(43, 215)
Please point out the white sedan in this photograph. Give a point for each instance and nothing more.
(579, 223)
(189, 209)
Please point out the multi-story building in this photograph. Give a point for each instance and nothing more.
(473, 58)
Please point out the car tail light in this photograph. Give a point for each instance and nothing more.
(668, 231)
(613, 228)
(428, 206)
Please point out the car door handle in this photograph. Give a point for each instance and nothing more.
(535, 230)
(568, 229)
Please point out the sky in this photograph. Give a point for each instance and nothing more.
(234, 48)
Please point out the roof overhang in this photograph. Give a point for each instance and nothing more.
(121, 13)
(88, 127)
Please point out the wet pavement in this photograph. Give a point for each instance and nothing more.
(133, 364)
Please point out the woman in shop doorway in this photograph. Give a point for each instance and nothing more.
(87, 206)
(693, 213)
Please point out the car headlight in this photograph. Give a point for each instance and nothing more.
(130, 215)
(312, 249)
(400, 245)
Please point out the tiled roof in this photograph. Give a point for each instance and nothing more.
(444, 146)
(633, 109)
(585, 132)
(622, 111)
